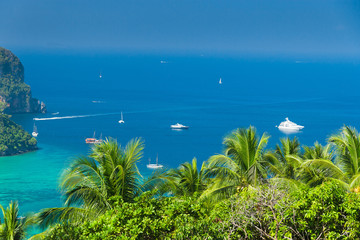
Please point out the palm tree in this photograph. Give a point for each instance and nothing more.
(319, 152)
(289, 158)
(244, 162)
(13, 227)
(187, 180)
(90, 182)
(347, 144)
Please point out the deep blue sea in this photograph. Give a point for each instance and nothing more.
(320, 94)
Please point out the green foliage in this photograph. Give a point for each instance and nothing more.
(13, 139)
(12, 226)
(149, 218)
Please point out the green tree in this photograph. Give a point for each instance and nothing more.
(347, 144)
(243, 163)
(186, 180)
(13, 226)
(90, 182)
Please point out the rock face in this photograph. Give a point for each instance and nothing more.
(15, 94)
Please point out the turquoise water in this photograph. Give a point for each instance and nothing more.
(255, 91)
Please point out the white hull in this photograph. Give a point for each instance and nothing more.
(154, 166)
(298, 128)
(34, 134)
(178, 126)
(121, 121)
(174, 127)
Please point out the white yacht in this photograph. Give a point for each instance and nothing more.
(179, 126)
(122, 119)
(289, 126)
(154, 166)
(35, 132)
(220, 82)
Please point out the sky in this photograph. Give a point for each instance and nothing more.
(308, 27)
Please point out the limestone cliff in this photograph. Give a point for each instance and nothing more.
(15, 94)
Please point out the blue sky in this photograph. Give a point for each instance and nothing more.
(311, 27)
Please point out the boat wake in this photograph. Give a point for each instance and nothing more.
(75, 116)
(116, 113)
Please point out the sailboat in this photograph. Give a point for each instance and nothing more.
(154, 166)
(93, 140)
(220, 82)
(122, 119)
(35, 132)
(100, 76)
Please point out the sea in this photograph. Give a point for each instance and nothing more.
(156, 90)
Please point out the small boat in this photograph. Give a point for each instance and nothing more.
(55, 113)
(94, 140)
(154, 166)
(122, 119)
(100, 76)
(179, 126)
(289, 126)
(220, 82)
(35, 132)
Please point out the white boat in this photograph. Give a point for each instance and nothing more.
(220, 82)
(289, 126)
(122, 119)
(35, 132)
(179, 126)
(154, 166)
(100, 76)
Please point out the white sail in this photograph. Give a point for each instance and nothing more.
(122, 119)
(35, 132)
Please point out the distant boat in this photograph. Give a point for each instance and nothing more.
(220, 82)
(94, 140)
(179, 126)
(35, 132)
(288, 126)
(122, 119)
(100, 76)
(163, 62)
(154, 166)
(56, 113)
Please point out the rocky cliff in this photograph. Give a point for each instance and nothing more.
(15, 94)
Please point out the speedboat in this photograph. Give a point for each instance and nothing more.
(179, 126)
(289, 126)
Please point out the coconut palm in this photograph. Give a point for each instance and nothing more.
(319, 152)
(289, 158)
(347, 144)
(244, 162)
(13, 226)
(90, 182)
(186, 180)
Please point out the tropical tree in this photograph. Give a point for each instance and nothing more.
(12, 225)
(243, 163)
(90, 182)
(347, 143)
(186, 180)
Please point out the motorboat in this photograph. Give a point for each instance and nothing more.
(122, 119)
(289, 126)
(154, 166)
(35, 132)
(179, 126)
(220, 82)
